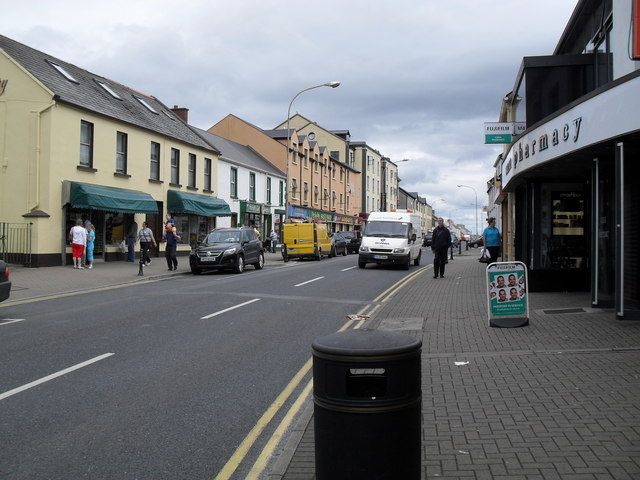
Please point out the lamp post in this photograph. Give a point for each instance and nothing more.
(333, 84)
(383, 200)
(476, 193)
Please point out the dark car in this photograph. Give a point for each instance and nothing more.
(338, 244)
(5, 283)
(353, 241)
(228, 248)
(426, 241)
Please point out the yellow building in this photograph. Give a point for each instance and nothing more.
(74, 144)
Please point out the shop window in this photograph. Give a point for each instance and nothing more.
(154, 169)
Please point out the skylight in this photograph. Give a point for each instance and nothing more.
(146, 104)
(108, 89)
(63, 72)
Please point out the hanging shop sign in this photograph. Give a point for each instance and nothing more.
(507, 294)
(498, 132)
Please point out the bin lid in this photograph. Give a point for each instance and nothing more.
(366, 342)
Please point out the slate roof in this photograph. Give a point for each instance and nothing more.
(85, 93)
(240, 154)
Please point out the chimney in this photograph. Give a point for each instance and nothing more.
(182, 112)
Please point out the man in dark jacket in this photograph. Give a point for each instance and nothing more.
(440, 243)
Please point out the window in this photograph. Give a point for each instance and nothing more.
(294, 153)
(252, 187)
(61, 70)
(294, 188)
(281, 193)
(315, 194)
(335, 155)
(207, 174)
(315, 165)
(333, 172)
(146, 104)
(305, 192)
(341, 202)
(191, 180)
(233, 182)
(268, 189)
(108, 89)
(121, 152)
(333, 200)
(175, 166)
(325, 197)
(341, 175)
(306, 158)
(154, 169)
(86, 144)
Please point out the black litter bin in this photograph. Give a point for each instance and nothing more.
(367, 405)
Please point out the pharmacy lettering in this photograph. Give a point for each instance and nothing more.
(524, 150)
(507, 294)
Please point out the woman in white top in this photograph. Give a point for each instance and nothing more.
(78, 239)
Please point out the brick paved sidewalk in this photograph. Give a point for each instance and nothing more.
(558, 399)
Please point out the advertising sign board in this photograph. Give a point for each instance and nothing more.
(507, 294)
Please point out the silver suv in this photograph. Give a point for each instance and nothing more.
(228, 248)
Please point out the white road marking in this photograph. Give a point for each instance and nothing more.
(7, 321)
(206, 317)
(309, 281)
(350, 268)
(53, 375)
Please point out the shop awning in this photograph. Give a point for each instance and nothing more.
(110, 199)
(183, 202)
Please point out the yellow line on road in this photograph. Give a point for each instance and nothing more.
(241, 452)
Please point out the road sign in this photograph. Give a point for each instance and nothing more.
(507, 294)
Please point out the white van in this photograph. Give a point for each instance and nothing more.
(393, 238)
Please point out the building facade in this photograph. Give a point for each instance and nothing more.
(76, 145)
(565, 186)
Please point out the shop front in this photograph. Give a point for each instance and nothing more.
(194, 215)
(572, 200)
(112, 212)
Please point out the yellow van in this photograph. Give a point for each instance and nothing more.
(305, 240)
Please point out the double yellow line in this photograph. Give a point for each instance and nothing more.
(261, 462)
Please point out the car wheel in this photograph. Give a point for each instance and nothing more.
(333, 252)
(416, 262)
(285, 255)
(319, 254)
(407, 265)
(260, 264)
(362, 264)
(344, 252)
(239, 268)
(196, 271)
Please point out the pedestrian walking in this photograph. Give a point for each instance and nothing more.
(91, 237)
(171, 236)
(440, 243)
(78, 240)
(491, 239)
(146, 239)
(132, 237)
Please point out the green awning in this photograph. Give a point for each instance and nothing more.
(183, 202)
(111, 199)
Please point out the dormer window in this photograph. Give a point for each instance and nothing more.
(108, 89)
(61, 70)
(146, 104)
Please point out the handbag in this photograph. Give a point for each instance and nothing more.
(485, 256)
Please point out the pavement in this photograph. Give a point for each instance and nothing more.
(557, 399)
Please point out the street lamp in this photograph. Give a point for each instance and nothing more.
(476, 193)
(383, 199)
(333, 84)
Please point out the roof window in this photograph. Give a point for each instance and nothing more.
(146, 104)
(63, 72)
(108, 89)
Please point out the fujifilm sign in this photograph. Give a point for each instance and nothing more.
(502, 132)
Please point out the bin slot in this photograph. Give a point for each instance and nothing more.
(367, 382)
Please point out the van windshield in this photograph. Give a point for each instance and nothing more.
(387, 229)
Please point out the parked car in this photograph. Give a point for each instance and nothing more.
(353, 241)
(5, 283)
(338, 244)
(228, 248)
(426, 241)
(475, 241)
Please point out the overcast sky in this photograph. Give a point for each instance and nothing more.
(419, 77)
